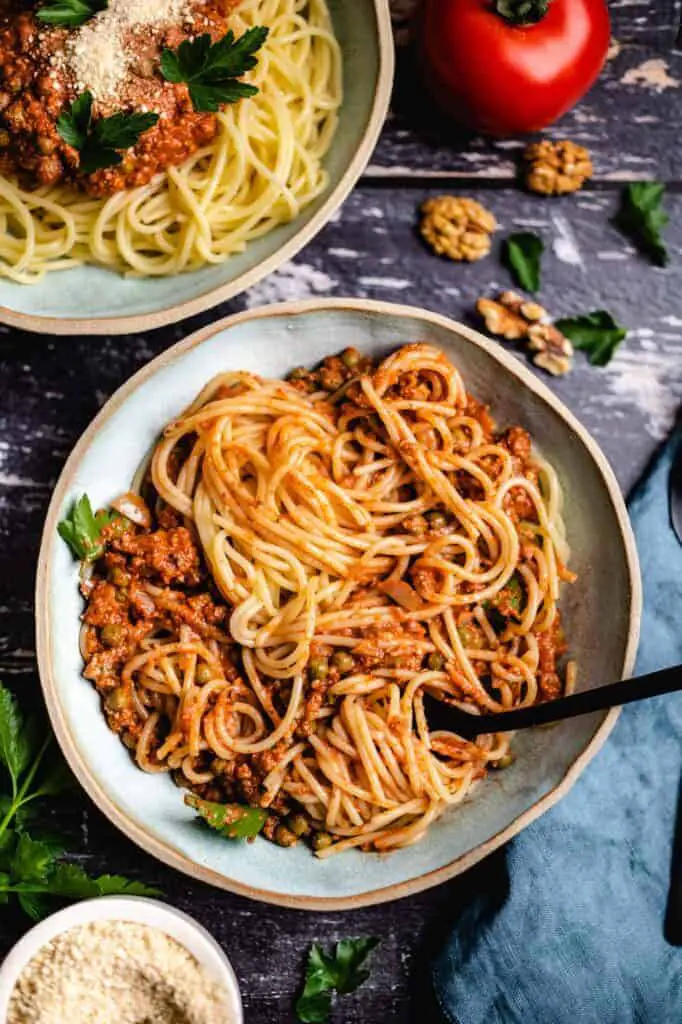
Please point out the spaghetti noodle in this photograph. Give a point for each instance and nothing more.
(370, 542)
(264, 165)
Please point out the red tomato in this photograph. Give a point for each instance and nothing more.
(506, 79)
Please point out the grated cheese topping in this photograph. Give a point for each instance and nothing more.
(116, 972)
(97, 55)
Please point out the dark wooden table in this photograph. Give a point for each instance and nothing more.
(51, 389)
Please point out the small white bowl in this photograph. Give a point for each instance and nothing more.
(184, 929)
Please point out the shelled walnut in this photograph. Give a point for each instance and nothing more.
(457, 227)
(511, 316)
(553, 351)
(556, 168)
(517, 319)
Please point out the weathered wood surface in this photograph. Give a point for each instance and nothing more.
(50, 390)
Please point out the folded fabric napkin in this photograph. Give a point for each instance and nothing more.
(573, 933)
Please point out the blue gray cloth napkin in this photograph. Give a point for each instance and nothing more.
(573, 933)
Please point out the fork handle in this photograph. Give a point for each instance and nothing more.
(654, 684)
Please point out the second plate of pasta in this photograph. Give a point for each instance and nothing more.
(144, 187)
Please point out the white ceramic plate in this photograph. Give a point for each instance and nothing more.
(601, 611)
(90, 300)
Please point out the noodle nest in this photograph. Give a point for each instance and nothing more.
(262, 169)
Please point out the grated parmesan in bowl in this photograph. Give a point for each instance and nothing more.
(118, 961)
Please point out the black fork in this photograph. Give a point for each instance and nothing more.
(468, 724)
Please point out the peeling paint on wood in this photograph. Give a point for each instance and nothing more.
(652, 74)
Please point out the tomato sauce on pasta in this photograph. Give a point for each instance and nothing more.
(316, 559)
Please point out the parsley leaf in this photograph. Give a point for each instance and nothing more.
(314, 1007)
(34, 904)
(117, 885)
(30, 868)
(350, 954)
(18, 738)
(211, 70)
(641, 217)
(234, 821)
(32, 860)
(324, 974)
(71, 882)
(8, 842)
(70, 12)
(522, 253)
(597, 333)
(75, 125)
(98, 142)
(82, 530)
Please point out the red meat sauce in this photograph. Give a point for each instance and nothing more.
(166, 559)
(337, 372)
(145, 583)
(36, 86)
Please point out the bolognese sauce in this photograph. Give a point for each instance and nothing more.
(116, 57)
(160, 624)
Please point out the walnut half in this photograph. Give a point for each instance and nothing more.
(514, 318)
(553, 351)
(556, 168)
(511, 316)
(457, 227)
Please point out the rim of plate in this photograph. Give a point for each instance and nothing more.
(180, 926)
(162, 850)
(213, 296)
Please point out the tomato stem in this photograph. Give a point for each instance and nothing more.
(522, 12)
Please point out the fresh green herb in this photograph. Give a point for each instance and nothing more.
(98, 142)
(642, 218)
(325, 974)
(471, 636)
(70, 12)
(514, 593)
(211, 70)
(511, 596)
(522, 253)
(235, 821)
(506, 604)
(82, 530)
(597, 333)
(30, 868)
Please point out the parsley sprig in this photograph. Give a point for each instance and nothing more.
(642, 218)
(82, 530)
(211, 70)
(234, 821)
(597, 333)
(98, 142)
(341, 972)
(30, 868)
(522, 253)
(70, 13)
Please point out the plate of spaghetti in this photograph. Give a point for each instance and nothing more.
(160, 156)
(286, 575)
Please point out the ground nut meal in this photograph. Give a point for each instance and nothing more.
(116, 972)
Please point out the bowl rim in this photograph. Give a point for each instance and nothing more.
(172, 314)
(162, 850)
(140, 909)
